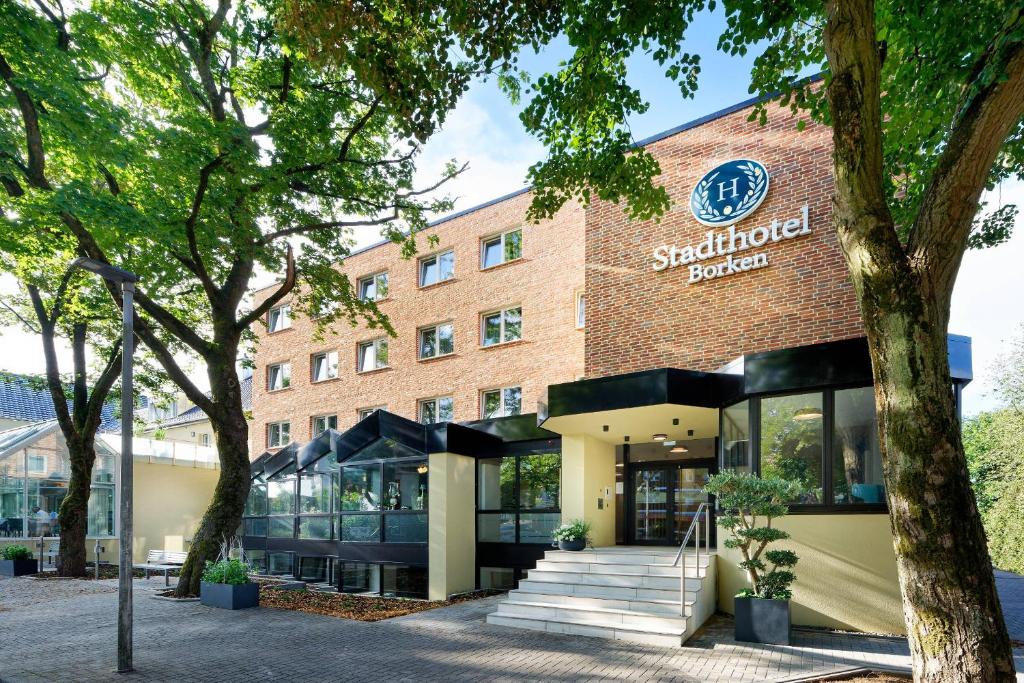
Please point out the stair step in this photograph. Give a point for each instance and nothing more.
(610, 568)
(669, 607)
(598, 591)
(607, 556)
(597, 615)
(608, 579)
(646, 636)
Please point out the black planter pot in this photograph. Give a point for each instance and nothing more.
(762, 621)
(578, 544)
(228, 596)
(18, 567)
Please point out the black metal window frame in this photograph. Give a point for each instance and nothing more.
(828, 506)
(517, 510)
(381, 513)
(331, 503)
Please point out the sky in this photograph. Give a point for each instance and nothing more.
(485, 131)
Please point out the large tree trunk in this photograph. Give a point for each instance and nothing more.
(222, 517)
(74, 509)
(954, 622)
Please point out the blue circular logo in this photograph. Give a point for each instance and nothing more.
(729, 193)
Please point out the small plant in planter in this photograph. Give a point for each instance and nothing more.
(17, 560)
(748, 505)
(572, 536)
(226, 584)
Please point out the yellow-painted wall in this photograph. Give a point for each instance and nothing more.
(588, 475)
(846, 577)
(451, 508)
(169, 503)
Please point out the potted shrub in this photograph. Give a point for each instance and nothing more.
(747, 505)
(226, 584)
(16, 560)
(572, 536)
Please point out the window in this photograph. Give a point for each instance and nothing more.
(389, 580)
(279, 434)
(324, 366)
(502, 248)
(735, 441)
(791, 441)
(279, 318)
(364, 413)
(518, 498)
(581, 310)
(437, 341)
(204, 439)
(321, 423)
(374, 287)
(281, 499)
(315, 506)
(373, 355)
(501, 402)
(383, 496)
(502, 326)
(441, 409)
(437, 268)
(279, 376)
(856, 457)
(36, 464)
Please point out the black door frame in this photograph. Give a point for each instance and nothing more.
(670, 465)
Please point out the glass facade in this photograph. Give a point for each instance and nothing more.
(518, 498)
(384, 495)
(34, 481)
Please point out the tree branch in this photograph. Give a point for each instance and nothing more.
(286, 286)
(35, 172)
(197, 265)
(53, 383)
(101, 389)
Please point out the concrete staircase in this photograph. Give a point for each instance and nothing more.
(624, 593)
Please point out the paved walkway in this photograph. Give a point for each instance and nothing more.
(63, 630)
(1011, 596)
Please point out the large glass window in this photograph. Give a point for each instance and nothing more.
(856, 456)
(383, 495)
(281, 503)
(314, 493)
(437, 268)
(735, 438)
(791, 441)
(518, 498)
(360, 488)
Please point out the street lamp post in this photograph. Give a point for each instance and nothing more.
(124, 572)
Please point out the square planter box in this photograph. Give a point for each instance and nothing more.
(228, 596)
(18, 567)
(762, 621)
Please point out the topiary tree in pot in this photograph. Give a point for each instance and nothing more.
(748, 505)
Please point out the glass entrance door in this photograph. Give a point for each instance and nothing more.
(665, 498)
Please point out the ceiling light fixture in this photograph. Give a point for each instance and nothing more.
(660, 437)
(422, 469)
(805, 414)
(679, 448)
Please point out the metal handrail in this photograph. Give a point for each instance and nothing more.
(705, 510)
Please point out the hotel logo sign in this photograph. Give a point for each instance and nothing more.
(724, 196)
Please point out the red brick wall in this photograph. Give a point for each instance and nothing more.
(640, 319)
(544, 282)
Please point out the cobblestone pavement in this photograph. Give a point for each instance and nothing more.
(70, 635)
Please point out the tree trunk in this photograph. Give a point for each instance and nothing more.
(74, 510)
(223, 516)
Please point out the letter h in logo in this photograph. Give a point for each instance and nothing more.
(732, 188)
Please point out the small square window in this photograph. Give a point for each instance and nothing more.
(437, 268)
(502, 248)
(374, 287)
(324, 366)
(437, 340)
(279, 376)
(279, 318)
(321, 423)
(440, 409)
(373, 355)
(502, 326)
(501, 402)
(37, 464)
(279, 434)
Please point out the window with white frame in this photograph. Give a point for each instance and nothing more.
(36, 464)
(501, 326)
(581, 310)
(279, 318)
(373, 355)
(279, 376)
(508, 246)
(437, 268)
(437, 340)
(439, 409)
(321, 423)
(364, 413)
(324, 366)
(204, 439)
(279, 434)
(501, 402)
(374, 287)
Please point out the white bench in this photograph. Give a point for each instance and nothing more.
(162, 561)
